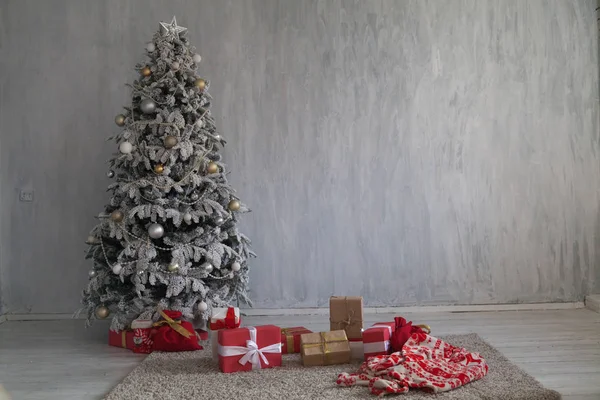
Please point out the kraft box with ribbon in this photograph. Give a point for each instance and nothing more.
(324, 348)
(346, 312)
(222, 318)
(249, 348)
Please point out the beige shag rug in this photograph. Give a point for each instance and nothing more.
(193, 375)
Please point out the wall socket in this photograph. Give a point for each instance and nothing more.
(26, 195)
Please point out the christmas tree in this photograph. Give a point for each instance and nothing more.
(168, 239)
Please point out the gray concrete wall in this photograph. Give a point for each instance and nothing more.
(412, 152)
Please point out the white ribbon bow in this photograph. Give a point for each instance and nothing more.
(251, 352)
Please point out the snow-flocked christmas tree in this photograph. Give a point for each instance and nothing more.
(168, 238)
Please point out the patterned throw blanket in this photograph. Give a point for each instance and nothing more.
(425, 362)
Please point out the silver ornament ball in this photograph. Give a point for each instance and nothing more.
(148, 106)
(150, 47)
(92, 273)
(110, 173)
(173, 267)
(175, 65)
(156, 231)
(207, 267)
(116, 269)
(197, 58)
(125, 148)
(202, 306)
(194, 196)
(187, 217)
(217, 137)
(236, 266)
(219, 220)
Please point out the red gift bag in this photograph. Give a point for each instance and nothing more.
(404, 330)
(172, 334)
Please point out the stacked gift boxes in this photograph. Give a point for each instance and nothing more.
(346, 313)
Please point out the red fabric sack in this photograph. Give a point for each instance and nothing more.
(172, 334)
(404, 330)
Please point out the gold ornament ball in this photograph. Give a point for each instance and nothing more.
(145, 71)
(170, 142)
(234, 205)
(91, 240)
(173, 267)
(200, 84)
(159, 168)
(212, 168)
(102, 312)
(117, 216)
(120, 120)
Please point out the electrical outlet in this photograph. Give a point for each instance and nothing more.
(26, 195)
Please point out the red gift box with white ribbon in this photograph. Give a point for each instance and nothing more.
(249, 348)
(376, 339)
(222, 318)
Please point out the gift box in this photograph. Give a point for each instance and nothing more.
(122, 339)
(290, 339)
(376, 339)
(248, 348)
(346, 313)
(201, 334)
(324, 348)
(222, 318)
(357, 350)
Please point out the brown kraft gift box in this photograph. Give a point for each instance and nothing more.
(324, 348)
(346, 312)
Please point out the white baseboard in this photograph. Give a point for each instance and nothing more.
(367, 310)
(421, 309)
(593, 302)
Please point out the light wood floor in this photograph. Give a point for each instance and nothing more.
(62, 360)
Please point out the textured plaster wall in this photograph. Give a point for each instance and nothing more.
(412, 152)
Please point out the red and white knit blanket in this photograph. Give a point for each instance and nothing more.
(425, 362)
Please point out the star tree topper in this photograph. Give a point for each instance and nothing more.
(172, 29)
